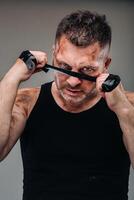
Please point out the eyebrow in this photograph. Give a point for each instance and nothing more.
(87, 66)
(62, 62)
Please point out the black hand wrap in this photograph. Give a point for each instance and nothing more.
(29, 59)
(110, 83)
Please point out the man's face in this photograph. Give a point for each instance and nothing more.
(90, 60)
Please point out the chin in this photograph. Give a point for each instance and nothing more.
(73, 100)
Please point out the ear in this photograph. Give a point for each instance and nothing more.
(53, 48)
(107, 63)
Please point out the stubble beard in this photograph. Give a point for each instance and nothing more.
(75, 101)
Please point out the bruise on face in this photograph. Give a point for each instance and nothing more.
(59, 46)
(80, 56)
(26, 99)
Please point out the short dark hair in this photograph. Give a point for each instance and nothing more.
(83, 28)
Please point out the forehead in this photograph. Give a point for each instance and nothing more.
(66, 50)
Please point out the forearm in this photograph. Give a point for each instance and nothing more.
(8, 90)
(126, 119)
(13, 112)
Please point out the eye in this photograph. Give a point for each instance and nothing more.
(65, 66)
(87, 70)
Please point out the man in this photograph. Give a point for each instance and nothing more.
(77, 141)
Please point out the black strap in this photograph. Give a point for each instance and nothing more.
(70, 73)
(109, 84)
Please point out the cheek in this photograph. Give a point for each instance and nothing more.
(60, 78)
(101, 68)
(88, 86)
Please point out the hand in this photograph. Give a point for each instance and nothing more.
(41, 59)
(20, 70)
(116, 99)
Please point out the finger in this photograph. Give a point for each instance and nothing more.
(100, 80)
(41, 58)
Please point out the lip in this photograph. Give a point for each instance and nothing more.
(72, 92)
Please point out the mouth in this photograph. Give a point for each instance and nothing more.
(73, 92)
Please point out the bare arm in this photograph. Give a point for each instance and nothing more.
(24, 102)
(122, 103)
(123, 106)
(14, 105)
(126, 118)
(8, 91)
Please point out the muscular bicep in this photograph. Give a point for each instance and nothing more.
(24, 103)
(18, 122)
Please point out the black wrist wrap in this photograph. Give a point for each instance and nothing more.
(29, 59)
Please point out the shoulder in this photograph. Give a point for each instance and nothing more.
(27, 94)
(130, 96)
(26, 99)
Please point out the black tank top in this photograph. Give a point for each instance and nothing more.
(73, 156)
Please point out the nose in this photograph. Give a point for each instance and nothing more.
(73, 81)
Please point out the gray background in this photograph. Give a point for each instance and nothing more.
(31, 25)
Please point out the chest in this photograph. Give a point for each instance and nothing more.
(87, 134)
